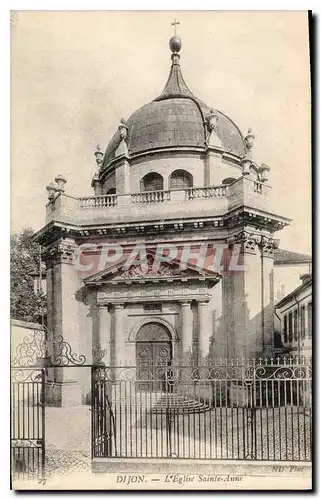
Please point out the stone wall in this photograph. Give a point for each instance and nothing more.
(165, 167)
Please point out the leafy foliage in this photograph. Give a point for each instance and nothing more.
(25, 304)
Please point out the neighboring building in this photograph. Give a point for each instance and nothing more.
(294, 313)
(288, 269)
(176, 173)
(40, 282)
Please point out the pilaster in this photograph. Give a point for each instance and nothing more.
(63, 386)
(119, 334)
(248, 295)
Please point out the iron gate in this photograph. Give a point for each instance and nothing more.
(32, 359)
(237, 411)
(28, 423)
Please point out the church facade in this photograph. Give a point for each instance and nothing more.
(171, 259)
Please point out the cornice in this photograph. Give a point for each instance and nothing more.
(238, 217)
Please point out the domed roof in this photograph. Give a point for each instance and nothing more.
(176, 118)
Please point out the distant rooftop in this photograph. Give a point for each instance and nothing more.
(288, 257)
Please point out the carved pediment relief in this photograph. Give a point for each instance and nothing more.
(154, 271)
(150, 270)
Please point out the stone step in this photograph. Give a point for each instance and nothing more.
(180, 403)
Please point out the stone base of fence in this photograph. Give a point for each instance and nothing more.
(188, 466)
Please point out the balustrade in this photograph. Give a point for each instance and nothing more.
(151, 197)
(98, 201)
(205, 192)
(258, 187)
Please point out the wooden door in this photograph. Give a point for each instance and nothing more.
(153, 353)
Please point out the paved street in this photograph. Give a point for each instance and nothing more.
(67, 440)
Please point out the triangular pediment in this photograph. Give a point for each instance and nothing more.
(150, 270)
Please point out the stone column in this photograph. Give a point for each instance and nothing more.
(204, 329)
(119, 334)
(104, 344)
(186, 330)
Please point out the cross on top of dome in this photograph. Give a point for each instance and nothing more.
(175, 24)
(175, 41)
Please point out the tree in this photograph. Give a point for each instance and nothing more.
(25, 303)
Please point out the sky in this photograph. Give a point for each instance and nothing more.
(75, 74)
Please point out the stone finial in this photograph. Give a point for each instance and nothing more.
(123, 128)
(249, 140)
(263, 170)
(99, 156)
(52, 190)
(211, 120)
(60, 181)
(245, 163)
(122, 147)
(211, 125)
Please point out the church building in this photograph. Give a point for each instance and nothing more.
(171, 258)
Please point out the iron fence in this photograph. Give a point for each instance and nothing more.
(258, 410)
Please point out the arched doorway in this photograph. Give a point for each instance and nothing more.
(153, 354)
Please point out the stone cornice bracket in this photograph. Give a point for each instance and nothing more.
(248, 241)
(60, 253)
(268, 246)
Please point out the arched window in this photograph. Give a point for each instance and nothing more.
(180, 179)
(111, 191)
(152, 182)
(228, 180)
